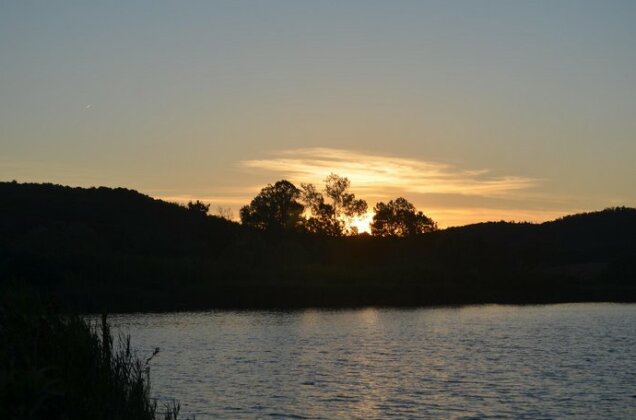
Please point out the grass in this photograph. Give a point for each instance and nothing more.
(56, 365)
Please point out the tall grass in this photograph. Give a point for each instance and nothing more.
(58, 366)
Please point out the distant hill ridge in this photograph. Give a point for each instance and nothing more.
(62, 201)
(118, 249)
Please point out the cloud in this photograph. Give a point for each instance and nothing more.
(450, 195)
(389, 176)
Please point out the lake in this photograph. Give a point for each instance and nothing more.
(569, 360)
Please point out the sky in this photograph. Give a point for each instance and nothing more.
(472, 110)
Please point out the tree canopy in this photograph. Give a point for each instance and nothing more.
(284, 207)
(328, 218)
(322, 220)
(400, 218)
(343, 202)
(274, 208)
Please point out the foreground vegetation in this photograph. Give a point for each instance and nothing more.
(56, 366)
(112, 250)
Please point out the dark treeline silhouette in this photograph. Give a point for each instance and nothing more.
(103, 249)
(283, 207)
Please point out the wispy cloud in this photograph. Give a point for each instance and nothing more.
(388, 175)
(451, 195)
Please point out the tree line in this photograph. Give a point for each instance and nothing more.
(283, 207)
(114, 249)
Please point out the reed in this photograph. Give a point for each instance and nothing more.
(57, 365)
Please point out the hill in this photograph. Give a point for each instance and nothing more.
(119, 250)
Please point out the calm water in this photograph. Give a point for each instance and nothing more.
(575, 360)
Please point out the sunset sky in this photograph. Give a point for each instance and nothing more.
(473, 110)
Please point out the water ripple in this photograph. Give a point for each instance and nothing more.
(575, 360)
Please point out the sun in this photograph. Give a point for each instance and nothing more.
(362, 223)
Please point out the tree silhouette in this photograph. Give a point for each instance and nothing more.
(399, 218)
(274, 208)
(343, 202)
(327, 218)
(322, 220)
(198, 207)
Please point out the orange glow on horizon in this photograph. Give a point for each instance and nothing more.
(444, 216)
